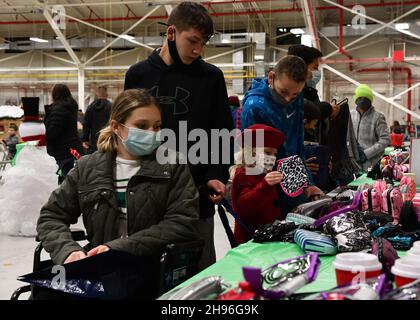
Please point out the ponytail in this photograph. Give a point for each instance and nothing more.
(107, 141)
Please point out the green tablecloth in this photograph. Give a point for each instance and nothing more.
(388, 150)
(264, 255)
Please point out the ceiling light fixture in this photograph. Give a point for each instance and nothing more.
(127, 37)
(297, 31)
(402, 26)
(35, 39)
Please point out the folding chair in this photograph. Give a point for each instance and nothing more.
(4, 157)
(38, 264)
(178, 263)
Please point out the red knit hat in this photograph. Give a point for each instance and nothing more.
(233, 101)
(273, 138)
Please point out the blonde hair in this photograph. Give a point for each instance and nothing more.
(121, 109)
(242, 159)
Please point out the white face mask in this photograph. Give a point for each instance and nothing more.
(265, 162)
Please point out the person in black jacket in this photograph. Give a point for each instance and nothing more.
(312, 57)
(61, 129)
(95, 119)
(193, 91)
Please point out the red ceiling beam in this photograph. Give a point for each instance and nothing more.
(219, 14)
(374, 5)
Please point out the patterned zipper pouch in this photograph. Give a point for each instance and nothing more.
(295, 176)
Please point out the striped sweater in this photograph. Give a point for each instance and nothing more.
(125, 169)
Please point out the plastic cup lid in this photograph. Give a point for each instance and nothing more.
(415, 250)
(410, 260)
(416, 245)
(357, 261)
(407, 268)
(413, 255)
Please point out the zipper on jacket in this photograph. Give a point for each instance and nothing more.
(126, 204)
(358, 126)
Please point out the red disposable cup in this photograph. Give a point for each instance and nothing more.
(345, 277)
(356, 267)
(402, 281)
(406, 270)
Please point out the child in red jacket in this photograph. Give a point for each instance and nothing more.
(397, 137)
(254, 195)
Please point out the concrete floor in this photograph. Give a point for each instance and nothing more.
(16, 256)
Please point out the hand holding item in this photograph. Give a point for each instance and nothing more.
(75, 256)
(97, 250)
(217, 190)
(312, 165)
(335, 110)
(86, 144)
(273, 178)
(313, 192)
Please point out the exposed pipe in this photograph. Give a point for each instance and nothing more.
(409, 79)
(232, 2)
(309, 18)
(374, 5)
(367, 60)
(336, 82)
(340, 38)
(361, 60)
(129, 10)
(91, 10)
(219, 14)
(92, 4)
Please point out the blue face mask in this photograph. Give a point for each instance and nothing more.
(316, 77)
(141, 142)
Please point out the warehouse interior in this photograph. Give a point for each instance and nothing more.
(101, 40)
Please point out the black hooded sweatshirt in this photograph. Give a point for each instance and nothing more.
(96, 118)
(194, 93)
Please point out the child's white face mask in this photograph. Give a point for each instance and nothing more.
(265, 162)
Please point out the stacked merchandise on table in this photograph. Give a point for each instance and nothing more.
(362, 228)
(278, 281)
(369, 281)
(349, 222)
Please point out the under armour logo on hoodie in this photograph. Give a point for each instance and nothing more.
(178, 101)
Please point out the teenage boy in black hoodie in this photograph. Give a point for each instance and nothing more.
(194, 91)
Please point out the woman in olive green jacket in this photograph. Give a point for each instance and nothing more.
(129, 202)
